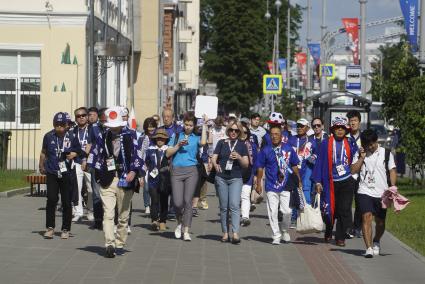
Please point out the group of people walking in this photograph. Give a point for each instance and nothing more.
(171, 164)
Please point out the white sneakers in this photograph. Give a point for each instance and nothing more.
(76, 218)
(178, 231)
(376, 248)
(147, 210)
(128, 230)
(90, 216)
(276, 241)
(368, 253)
(286, 237)
(186, 237)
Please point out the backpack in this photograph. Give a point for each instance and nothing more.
(386, 161)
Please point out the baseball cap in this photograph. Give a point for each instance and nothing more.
(160, 133)
(114, 117)
(59, 117)
(302, 121)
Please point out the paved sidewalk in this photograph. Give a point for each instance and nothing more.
(152, 257)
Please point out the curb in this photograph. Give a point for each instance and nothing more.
(406, 247)
(13, 192)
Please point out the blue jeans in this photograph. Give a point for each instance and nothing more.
(146, 196)
(229, 196)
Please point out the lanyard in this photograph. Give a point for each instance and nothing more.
(334, 152)
(84, 140)
(298, 147)
(124, 165)
(234, 145)
(60, 150)
(159, 155)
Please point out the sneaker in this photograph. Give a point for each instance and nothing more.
(171, 216)
(348, 236)
(178, 231)
(252, 208)
(76, 218)
(186, 237)
(49, 233)
(129, 230)
(293, 224)
(368, 253)
(90, 216)
(203, 205)
(119, 251)
(195, 212)
(147, 210)
(115, 229)
(286, 237)
(110, 252)
(65, 235)
(376, 248)
(162, 227)
(155, 226)
(276, 241)
(245, 222)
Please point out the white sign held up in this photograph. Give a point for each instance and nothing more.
(206, 105)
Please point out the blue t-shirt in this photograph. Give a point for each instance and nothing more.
(56, 149)
(186, 156)
(339, 157)
(277, 177)
(223, 150)
(305, 147)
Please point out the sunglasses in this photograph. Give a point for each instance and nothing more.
(301, 125)
(81, 115)
(234, 130)
(317, 125)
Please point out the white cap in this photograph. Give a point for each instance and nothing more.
(302, 121)
(114, 117)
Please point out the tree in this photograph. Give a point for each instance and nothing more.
(236, 48)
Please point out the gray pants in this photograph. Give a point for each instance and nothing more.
(183, 185)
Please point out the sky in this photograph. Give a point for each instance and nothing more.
(337, 9)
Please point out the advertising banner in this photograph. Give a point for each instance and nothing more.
(409, 8)
(282, 67)
(352, 28)
(315, 52)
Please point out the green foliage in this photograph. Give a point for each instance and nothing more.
(13, 179)
(412, 121)
(236, 43)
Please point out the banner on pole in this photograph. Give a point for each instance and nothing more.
(315, 52)
(352, 28)
(410, 9)
(270, 66)
(282, 67)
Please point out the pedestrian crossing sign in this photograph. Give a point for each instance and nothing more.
(328, 70)
(272, 84)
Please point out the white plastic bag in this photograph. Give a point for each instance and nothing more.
(310, 219)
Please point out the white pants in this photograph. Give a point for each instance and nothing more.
(83, 177)
(245, 200)
(278, 201)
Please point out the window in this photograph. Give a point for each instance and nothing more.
(19, 88)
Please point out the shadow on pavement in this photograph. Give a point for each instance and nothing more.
(167, 234)
(308, 240)
(209, 237)
(94, 249)
(266, 240)
(214, 221)
(258, 216)
(358, 252)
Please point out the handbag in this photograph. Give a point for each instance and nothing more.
(310, 219)
(256, 198)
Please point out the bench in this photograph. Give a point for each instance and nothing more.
(36, 179)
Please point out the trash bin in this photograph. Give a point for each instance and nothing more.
(4, 147)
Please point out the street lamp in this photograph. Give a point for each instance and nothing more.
(277, 4)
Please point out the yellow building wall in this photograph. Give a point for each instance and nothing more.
(147, 63)
(26, 144)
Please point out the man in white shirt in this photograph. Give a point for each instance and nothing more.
(372, 164)
(255, 127)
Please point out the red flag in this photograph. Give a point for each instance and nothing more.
(301, 58)
(270, 66)
(132, 120)
(352, 28)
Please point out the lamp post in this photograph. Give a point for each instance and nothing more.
(278, 4)
(323, 47)
(308, 39)
(288, 50)
(267, 16)
(363, 45)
